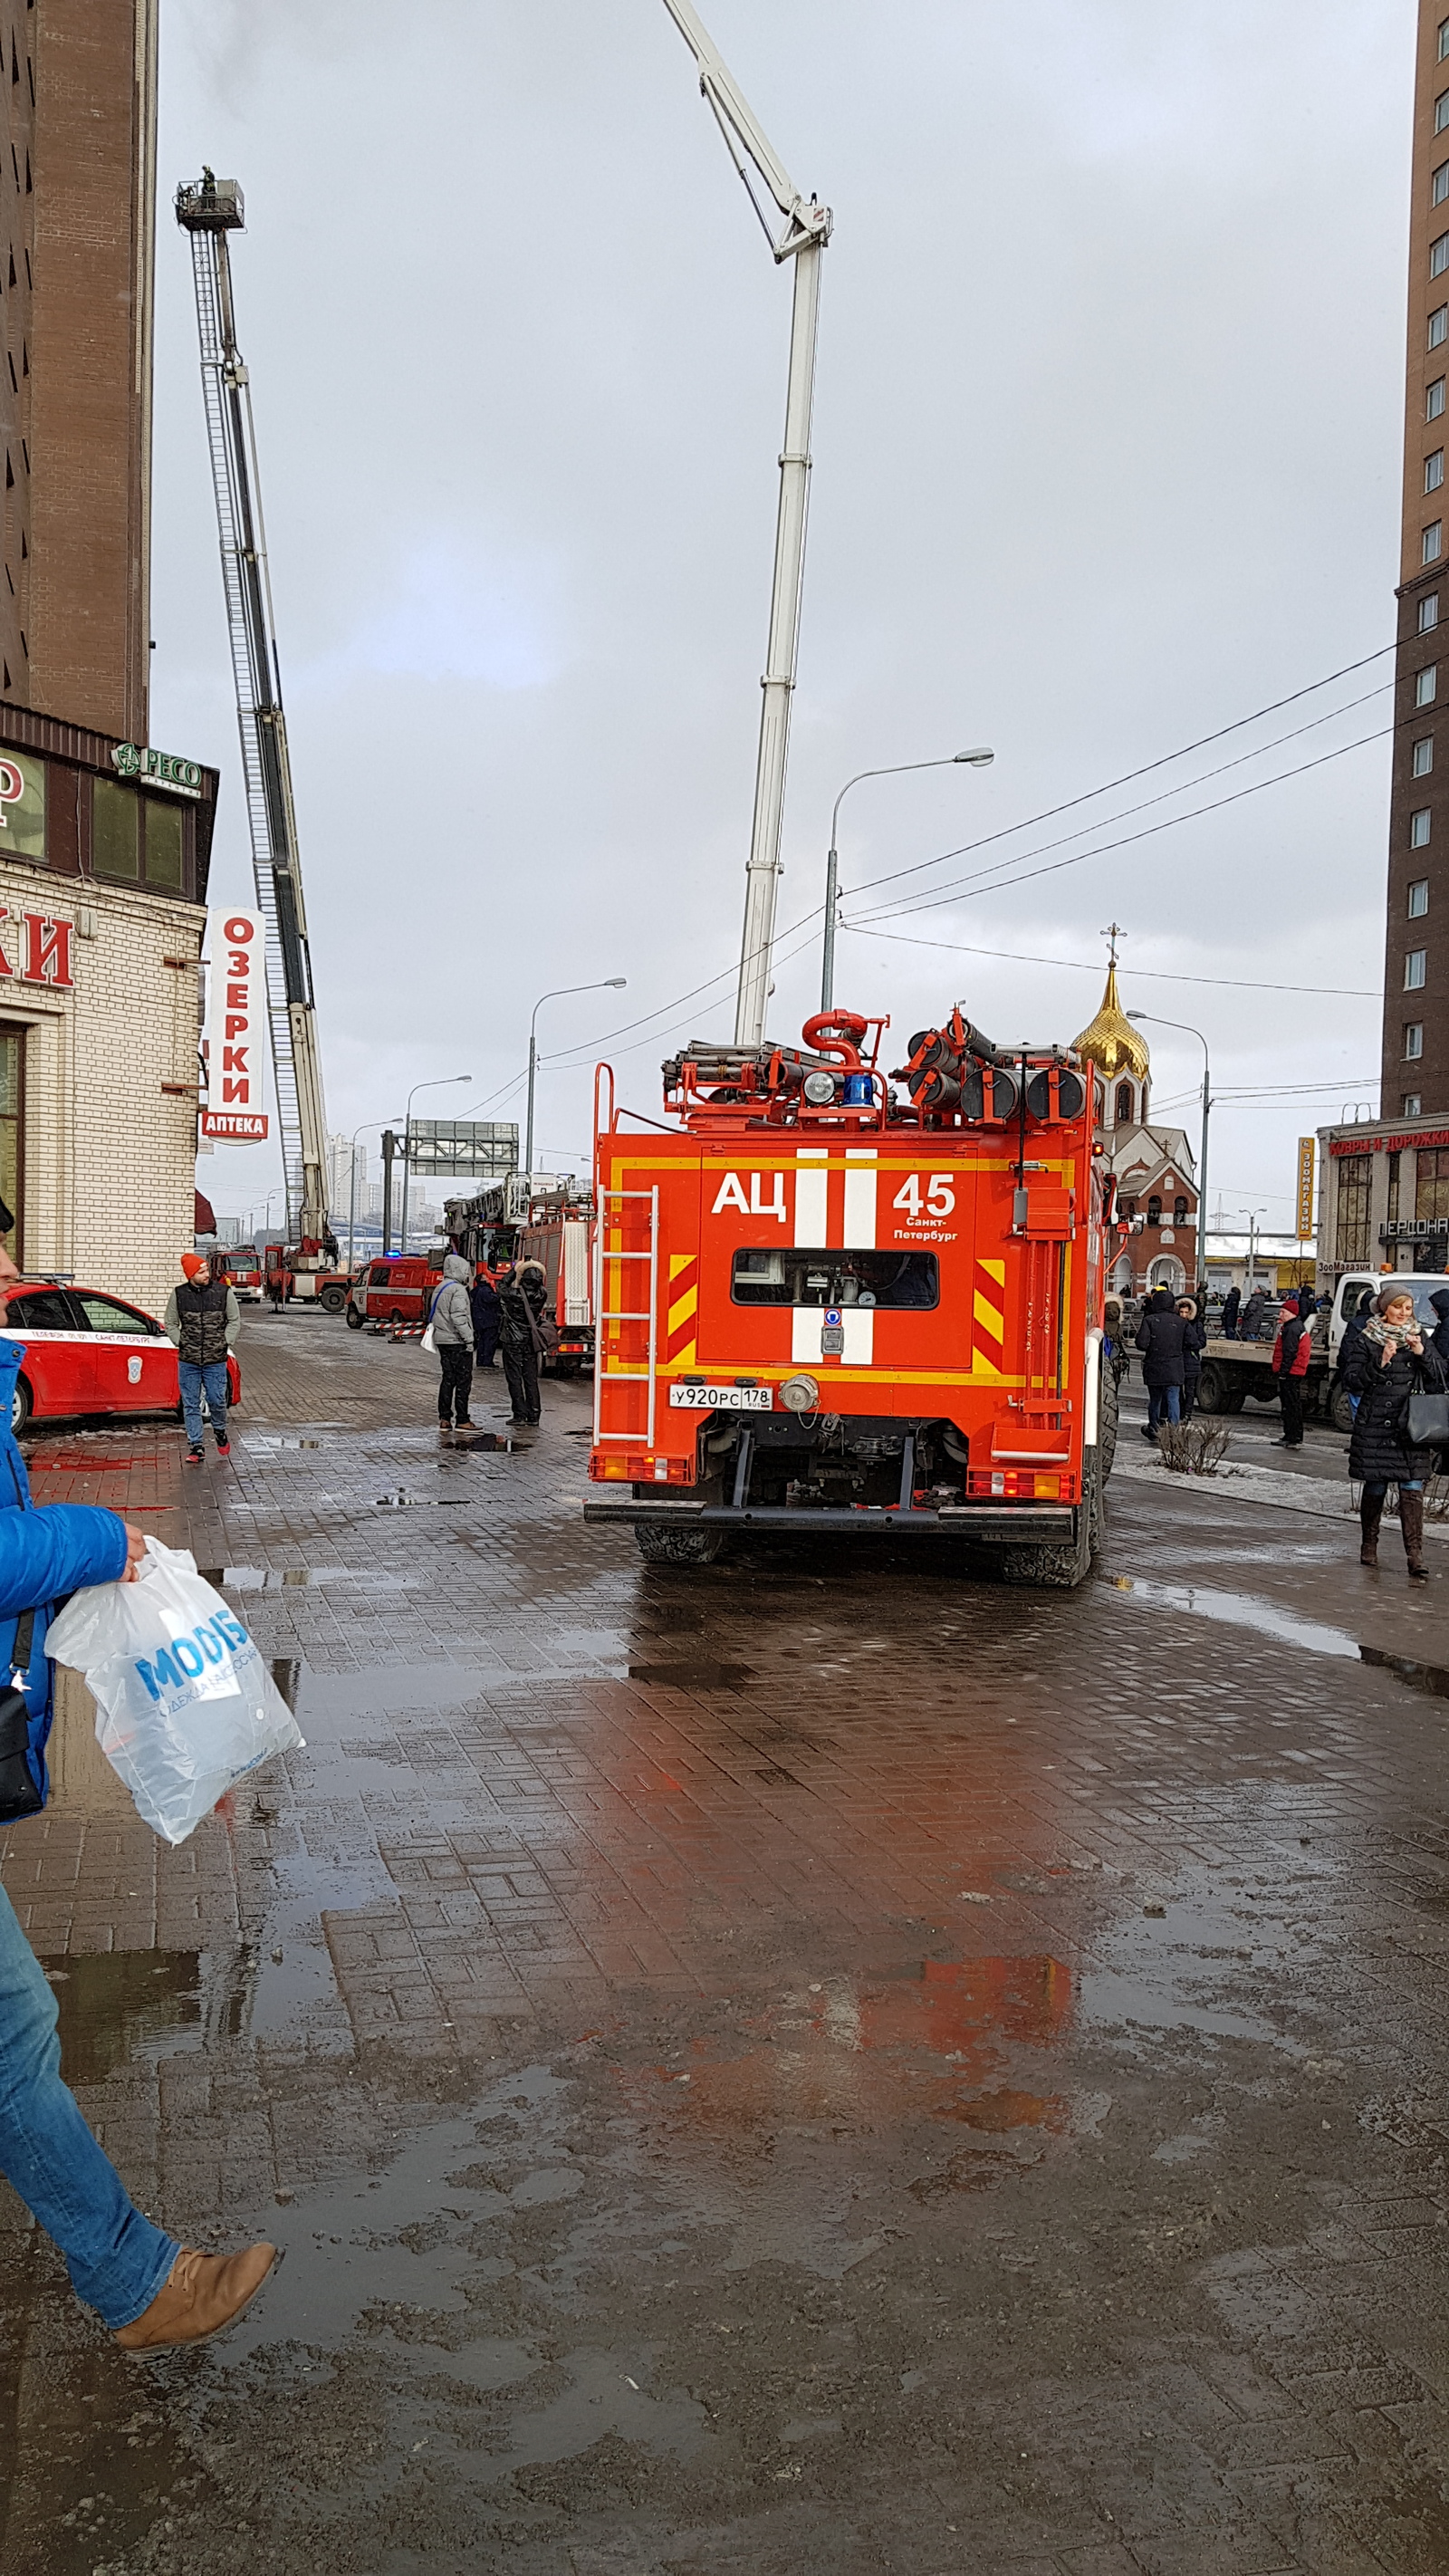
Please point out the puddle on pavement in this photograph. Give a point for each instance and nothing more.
(402, 1501)
(1241, 1610)
(704, 1675)
(115, 2005)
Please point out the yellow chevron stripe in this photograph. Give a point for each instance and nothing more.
(682, 1309)
(680, 1261)
(994, 1270)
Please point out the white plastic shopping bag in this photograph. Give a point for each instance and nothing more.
(185, 1706)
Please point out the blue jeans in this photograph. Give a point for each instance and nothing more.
(1164, 1404)
(1374, 1493)
(193, 1380)
(117, 2259)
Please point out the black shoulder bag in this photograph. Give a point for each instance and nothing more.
(1426, 1416)
(19, 1795)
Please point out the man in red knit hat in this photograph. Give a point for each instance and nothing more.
(203, 1320)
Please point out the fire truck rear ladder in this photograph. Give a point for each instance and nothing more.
(209, 211)
(605, 1315)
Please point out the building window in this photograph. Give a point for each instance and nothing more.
(1413, 1041)
(1441, 111)
(1154, 1210)
(1444, 39)
(115, 842)
(1431, 1188)
(1415, 966)
(1432, 540)
(1351, 1232)
(12, 1157)
(1441, 183)
(1439, 255)
(1124, 1104)
(1423, 756)
(1439, 326)
(1418, 898)
(1426, 683)
(1434, 398)
(1412, 1105)
(1434, 470)
(1394, 1161)
(1419, 829)
(1428, 612)
(164, 822)
(1179, 1210)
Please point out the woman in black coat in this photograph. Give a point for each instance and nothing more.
(1390, 1361)
(1194, 1343)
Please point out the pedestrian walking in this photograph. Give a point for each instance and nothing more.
(1289, 1364)
(1232, 1307)
(1389, 1362)
(203, 1320)
(521, 1295)
(1194, 1343)
(452, 1328)
(150, 2290)
(485, 1318)
(1160, 1338)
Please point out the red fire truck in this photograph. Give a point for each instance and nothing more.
(822, 1305)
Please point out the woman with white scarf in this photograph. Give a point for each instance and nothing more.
(1389, 1362)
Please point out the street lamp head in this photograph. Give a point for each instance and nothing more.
(981, 758)
(615, 983)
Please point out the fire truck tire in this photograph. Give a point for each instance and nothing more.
(1107, 1416)
(676, 1546)
(1211, 1390)
(355, 1321)
(20, 1404)
(332, 1300)
(1045, 1568)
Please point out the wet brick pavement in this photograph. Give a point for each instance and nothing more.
(810, 2065)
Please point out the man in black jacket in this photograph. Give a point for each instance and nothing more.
(521, 1295)
(203, 1319)
(1231, 1306)
(1161, 1336)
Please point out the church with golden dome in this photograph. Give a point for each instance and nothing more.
(1155, 1167)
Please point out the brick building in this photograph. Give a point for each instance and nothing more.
(103, 874)
(1154, 1166)
(1416, 963)
(77, 169)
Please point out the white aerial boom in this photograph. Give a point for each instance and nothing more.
(807, 230)
(209, 212)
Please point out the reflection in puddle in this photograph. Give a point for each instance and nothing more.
(290, 1578)
(1241, 1610)
(114, 2005)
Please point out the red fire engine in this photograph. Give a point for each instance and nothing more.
(822, 1305)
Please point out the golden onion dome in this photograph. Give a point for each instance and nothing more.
(1110, 1040)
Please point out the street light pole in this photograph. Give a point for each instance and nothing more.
(1202, 1197)
(442, 1083)
(352, 1181)
(609, 984)
(1252, 1215)
(981, 759)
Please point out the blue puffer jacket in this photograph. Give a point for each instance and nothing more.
(45, 1551)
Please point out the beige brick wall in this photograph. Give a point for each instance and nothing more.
(109, 1152)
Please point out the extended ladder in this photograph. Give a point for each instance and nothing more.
(628, 1344)
(209, 211)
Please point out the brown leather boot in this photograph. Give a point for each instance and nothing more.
(203, 2293)
(1370, 1513)
(1411, 1521)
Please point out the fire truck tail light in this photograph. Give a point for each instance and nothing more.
(1019, 1484)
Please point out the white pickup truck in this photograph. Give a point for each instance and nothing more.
(1234, 1371)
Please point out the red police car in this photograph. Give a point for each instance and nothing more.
(90, 1353)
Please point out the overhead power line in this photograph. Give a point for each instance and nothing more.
(1093, 966)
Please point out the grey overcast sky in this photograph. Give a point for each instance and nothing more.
(1107, 442)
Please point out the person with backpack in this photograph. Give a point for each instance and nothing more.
(522, 1294)
(147, 2288)
(203, 1319)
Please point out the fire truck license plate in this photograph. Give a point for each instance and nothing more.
(698, 1398)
